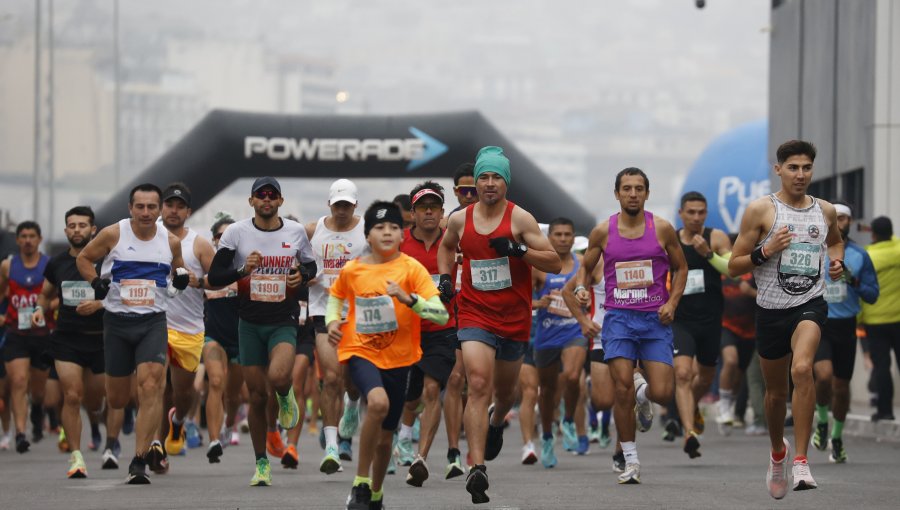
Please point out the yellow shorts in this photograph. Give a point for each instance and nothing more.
(185, 349)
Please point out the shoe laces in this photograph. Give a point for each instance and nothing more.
(801, 469)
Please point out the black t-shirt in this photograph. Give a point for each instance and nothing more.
(71, 288)
(702, 300)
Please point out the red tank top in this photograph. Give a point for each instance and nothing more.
(505, 312)
(428, 258)
(25, 285)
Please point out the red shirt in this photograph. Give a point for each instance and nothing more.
(415, 248)
(505, 312)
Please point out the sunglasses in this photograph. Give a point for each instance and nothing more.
(428, 207)
(466, 190)
(267, 193)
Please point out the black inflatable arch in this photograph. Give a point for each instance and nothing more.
(228, 145)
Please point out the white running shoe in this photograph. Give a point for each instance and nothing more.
(4, 442)
(632, 474)
(529, 456)
(643, 411)
(803, 480)
(777, 475)
(235, 438)
(725, 420)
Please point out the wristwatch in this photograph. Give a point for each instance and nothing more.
(415, 299)
(242, 271)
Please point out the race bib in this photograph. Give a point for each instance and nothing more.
(695, 282)
(637, 274)
(268, 288)
(137, 292)
(835, 292)
(25, 314)
(375, 315)
(227, 292)
(491, 274)
(76, 292)
(558, 305)
(801, 259)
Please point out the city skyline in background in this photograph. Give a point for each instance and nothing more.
(582, 88)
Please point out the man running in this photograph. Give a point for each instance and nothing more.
(499, 241)
(21, 278)
(698, 319)
(76, 344)
(836, 354)
(138, 258)
(269, 257)
(639, 249)
(783, 240)
(336, 239)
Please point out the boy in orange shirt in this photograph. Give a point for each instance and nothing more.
(387, 291)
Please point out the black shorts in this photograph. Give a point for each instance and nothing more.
(597, 356)
(698, 339)
(838, 345)
(319, 324)
(774, 328)
(366, 376)
(129, 341)
(529, 356)
(745, 347)
(85, 350)
(35, 348)
(306, 341)
(438, 358)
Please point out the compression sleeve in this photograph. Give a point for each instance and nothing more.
(333, 309)
(221, 273)
(432, 310)
(720, 262)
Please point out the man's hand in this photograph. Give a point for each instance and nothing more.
(544, 302)
(101, 287)
(506, 247)
(37, 318)
(778, 242)
(253, 261)
(294, 277)
(700, 245)
(86, 308)
(590, 329)
(836, 270)
(334, 333)
(445, 287)
(583, 296)
(666, 314)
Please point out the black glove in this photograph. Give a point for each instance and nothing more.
(506, 247)
(445, 287)
(101, 287)
(181, 280)
(308, 272)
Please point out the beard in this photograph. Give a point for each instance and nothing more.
(267, 215)
(80, 243)
(845, 233)
(632, 212)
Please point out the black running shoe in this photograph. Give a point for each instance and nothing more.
(670, 431)
(137, 472)
(376, 505)
(618, 464)
(214, 452)
(22, 444)
(157, 460)
(494, 442)
(37, 434)
(477, 483)
(360, 497)
(820, 436)
(692, 445)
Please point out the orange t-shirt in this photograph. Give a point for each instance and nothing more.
(379, 328)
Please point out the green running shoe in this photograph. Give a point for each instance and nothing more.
(263, 475)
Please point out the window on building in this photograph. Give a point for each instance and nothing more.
(824, 188)
(852, 190)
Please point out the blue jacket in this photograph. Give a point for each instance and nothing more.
(862, 284)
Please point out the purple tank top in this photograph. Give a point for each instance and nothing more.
(635, 269)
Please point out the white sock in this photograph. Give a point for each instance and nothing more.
(176, 420)
(406, 432)
(352, 404)
(331, 437)
(630, 451)
(641, 394)
(599, 416)
(213, 443)
(726, 395)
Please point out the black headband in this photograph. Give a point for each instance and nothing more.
(389, 213)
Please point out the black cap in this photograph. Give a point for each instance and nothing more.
(177, 191)
(262, 182)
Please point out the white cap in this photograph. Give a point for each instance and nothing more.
(580, 243)
(342, 190)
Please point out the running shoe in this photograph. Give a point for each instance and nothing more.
(528, 455)
(494, 443)
(349, 421)
(618, 464)
(263, 475)
(360, 497)
(110, 459)
(605, 440)
(77, 469)
(548, 455)
(392, 462)
(377, 505)
(594, 434)
(345, 448)
(37, 434)
(417, 426)
(820, 436)
(569, 436)
(157, 460)
(5, 442)
(290, 459)
(235, 438)
(244, 426)
(643, 411)
(418, 472)
(137, 472)
(777, 476)
(331, 462)
(838, 455)
(175, 439)
(670, 430)
(725, 420)
(803, 480)
(631, 475)
(96, 438)
(116, 447)
(699, 421)
(406, 454)
(692, 445)
(454, 467)
(62, 443)
(477, 484)
(756, 430)
(288, 410)
(274, 444)
(22, 444)
(214, 452)
(584, 446)
(192, 433)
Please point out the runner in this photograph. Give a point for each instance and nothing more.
(76, 344)
(336, 239)
(25, 350)
(528, 399)
(428, 377)
(836, 354)
(560, 349)
(273, 258)
(698, 319)
(139, 257)
(783, 239)
(499, 241)
(304, 359)
(639, 250)
(387, 292)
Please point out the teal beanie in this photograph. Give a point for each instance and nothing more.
(492, 159)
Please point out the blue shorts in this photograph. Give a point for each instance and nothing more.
(505, 348)
(366, 376)
(636, 336)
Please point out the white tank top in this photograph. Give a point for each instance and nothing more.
(794, 276)
(332, 250)
(139, 271)
(185, 312)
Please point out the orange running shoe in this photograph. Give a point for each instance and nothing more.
(274, 444)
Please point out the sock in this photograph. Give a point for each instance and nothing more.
(359, 480)
(52, 417)
(331, 437)
(37, 415)
(176, 420)
(568, 419)
(837, 430)
(211, 443)
(348, 403)
(261, 456)
(641, 394)
(822, 413)
(779, 456)
(406, 432)
(95, 429)
(726, 395)
(604, 422)
(452, 454)
(378, 495)
(629, 449)
(111, 443)
(800, 458)
(547, 436)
